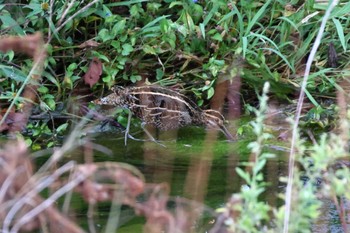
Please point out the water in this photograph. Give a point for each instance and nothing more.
(197, 167)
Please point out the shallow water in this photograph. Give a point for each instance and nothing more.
(186, 155)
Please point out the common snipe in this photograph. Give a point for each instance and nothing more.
(163, 108)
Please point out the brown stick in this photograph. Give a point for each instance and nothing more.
(32, 46)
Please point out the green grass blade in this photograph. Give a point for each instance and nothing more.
(240, 22)
(341, 11)
(125, 3)
(256, 17)
(311, 98)
(281, 56)
(202, 28)
(153, 22)
(340, 32)
(262, 37)
(207, 18)
(244, 45)
(229, 15)
(290, 22)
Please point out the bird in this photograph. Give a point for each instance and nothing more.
(163, 108)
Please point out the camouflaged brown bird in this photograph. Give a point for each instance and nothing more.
(163, 108)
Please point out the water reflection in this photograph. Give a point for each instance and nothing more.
(196, 165)
(329, 221)
(200, 165)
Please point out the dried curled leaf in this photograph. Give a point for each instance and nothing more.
(94, 72)
(89, 43)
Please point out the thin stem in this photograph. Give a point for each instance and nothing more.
(298, 113)
(77, 13)
(127, 128)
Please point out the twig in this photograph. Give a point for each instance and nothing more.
(33, 46)
(50, 18)
(29, 195)
(70, 5)
(289, 188)
(48, 202)
(78, 12)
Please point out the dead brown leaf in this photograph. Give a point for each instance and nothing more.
(89, 44)
(94, 72)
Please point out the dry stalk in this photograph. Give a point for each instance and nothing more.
(75, 14)
(32, 46)
(291, 163)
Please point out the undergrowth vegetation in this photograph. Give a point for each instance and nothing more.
(190, 44)
(58, 56)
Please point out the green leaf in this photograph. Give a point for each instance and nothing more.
(127, 49)
(187, 19)
(122, 120)
(259, 166)
(134, 11)
(149, 50)
(182, 29)
(100, 56)
(164, 26)
(52, 61)
(42, 89)
(47, 96)
(175, 3)
(62, 128)
(72, 67)
(28, 141)
(116, 44)
(107, 79)
(50, 144)
(200, 102)
(13, 73)
(52, 79)
(118, 28)
(243, 174)
(10, 55)
(105, 12)
(210, 14)
(9, 22)
(36, 9)
(217, 36)
(197, 12)
(160, 74)
(210, 92)
(135, 78)
(105, 35)
(51, 103)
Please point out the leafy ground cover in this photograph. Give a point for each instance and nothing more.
(192, 45)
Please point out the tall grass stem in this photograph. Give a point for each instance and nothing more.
(289, 188)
